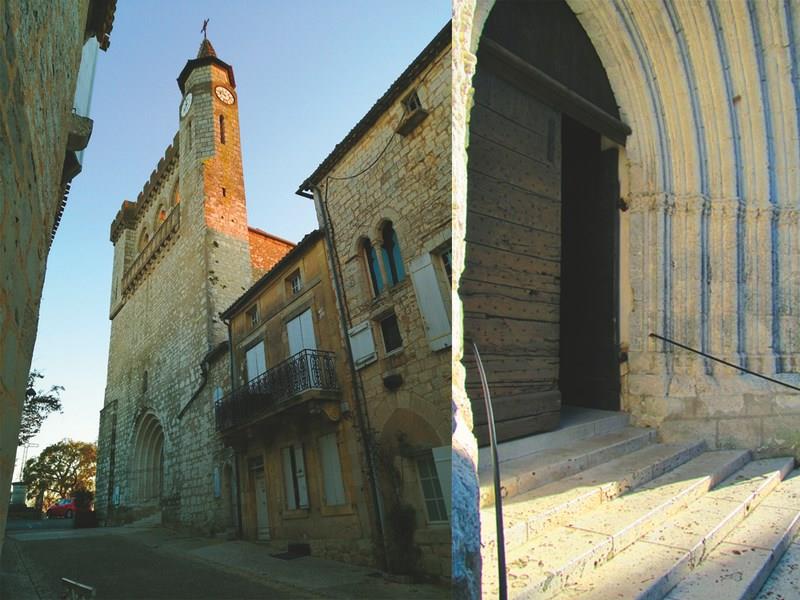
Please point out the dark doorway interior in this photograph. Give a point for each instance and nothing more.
(588, 353)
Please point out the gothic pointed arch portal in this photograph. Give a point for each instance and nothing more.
(148, 460)
(541, 279)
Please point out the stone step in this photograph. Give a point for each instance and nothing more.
(529, 514)
(576, 424)
(739, 566)
(656, 561)
(784, 583)
(564, 554)
(543, 467)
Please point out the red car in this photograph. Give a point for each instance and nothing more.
(63, 508)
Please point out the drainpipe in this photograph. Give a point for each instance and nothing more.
(235, 456)
(360, 403)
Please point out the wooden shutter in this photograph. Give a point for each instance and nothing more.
(300, 475)
(362, 344)
(430, 302)
(256, 361)
(288, 478)
(442, 458)
(331, 470)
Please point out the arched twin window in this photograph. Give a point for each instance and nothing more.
(391, 257)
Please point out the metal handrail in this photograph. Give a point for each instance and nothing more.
(306, 370)
(161, 235)
(498, 500)
(724, 362)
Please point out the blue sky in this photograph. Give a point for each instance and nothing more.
(306, 72)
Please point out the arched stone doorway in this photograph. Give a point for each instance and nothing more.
(541, 278)
(148, 461)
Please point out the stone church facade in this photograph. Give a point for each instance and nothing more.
(183, 252)
(694, 109)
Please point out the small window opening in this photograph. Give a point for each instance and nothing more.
(223, 192)
(222, 129)
(411, 102)
(373, 267)
(392, 259)
(252, 315)
(144, 382)
(296, 282)
(392, 340)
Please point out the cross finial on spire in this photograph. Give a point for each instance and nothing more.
(204, 30)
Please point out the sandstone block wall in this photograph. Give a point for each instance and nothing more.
(411, 187)
(40, 52)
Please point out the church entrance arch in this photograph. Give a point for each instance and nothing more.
(148, 460)
(540, 287)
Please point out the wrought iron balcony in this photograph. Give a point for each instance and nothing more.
(160, 237)
(278, 388)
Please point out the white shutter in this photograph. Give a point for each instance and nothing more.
(442, 457)
(430, 301)
(295, 334)
(307, 329)
(300, 474)
(301, 333)
(256, 361)
(362, 344)
(288, 478)
(331, 470)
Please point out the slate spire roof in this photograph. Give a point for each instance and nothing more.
(206, 49)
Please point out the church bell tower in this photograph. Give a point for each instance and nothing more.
(212, 181)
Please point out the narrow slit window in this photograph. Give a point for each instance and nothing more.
(222, 129)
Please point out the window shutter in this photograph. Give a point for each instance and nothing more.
(430, 301)
(331, 470)
(442, 457)
(300, 465)
(362, 344)
(288, 478)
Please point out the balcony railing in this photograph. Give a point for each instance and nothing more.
(160, 237)
(275, 389)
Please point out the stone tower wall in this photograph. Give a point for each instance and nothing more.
(169, 322)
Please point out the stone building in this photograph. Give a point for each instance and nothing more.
(183, 253)
(383, 198)
(289, 417)
(46, 75)
(625, 168)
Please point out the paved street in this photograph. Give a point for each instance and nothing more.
(158, 563)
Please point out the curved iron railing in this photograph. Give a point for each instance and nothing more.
(273, 389)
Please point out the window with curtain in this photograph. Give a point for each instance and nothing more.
(373, 267)
(392, 259)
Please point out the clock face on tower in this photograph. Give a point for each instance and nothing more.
(186, 104)
(224, 94)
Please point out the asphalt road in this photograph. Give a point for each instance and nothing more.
(157, 563)
(124, 566)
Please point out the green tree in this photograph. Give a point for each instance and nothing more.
(38, 404)
(59, 471)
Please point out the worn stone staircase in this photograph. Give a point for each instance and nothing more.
(600, 510)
